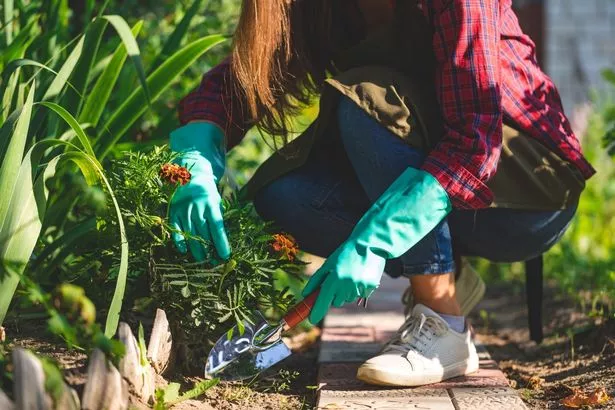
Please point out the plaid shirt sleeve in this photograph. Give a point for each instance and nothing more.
(466, 46)
(214, 101)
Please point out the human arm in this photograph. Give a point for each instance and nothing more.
(214, 101)
(212, 123)
(409, 209)
(466, 45)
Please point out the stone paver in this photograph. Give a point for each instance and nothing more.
(353, 334)
(441, 402)
(487, 399)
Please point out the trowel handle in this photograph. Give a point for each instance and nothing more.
(300, 311)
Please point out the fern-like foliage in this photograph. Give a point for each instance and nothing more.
(202, 300)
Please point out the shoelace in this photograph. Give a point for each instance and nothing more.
(416, 333)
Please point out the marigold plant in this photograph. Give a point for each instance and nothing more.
(202, 300)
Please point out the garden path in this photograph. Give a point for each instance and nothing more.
(353, 334)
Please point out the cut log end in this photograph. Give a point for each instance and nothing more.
(160, 343)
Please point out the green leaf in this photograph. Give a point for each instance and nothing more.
(54, 380)
(142, 346)
(136, 104)
(171, 392)
(22, 223)
(11, 162)
(6, 130)
(609, 75)
(198, 390)
(72, 122)
(74, 98)
(67, 240)
(9, 10)
(123, 30)
(100, 94)
(65, 72)
(91, 169)
(9, 93)
(175, 40)
(18, 47)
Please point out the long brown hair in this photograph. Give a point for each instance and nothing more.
(282, 51)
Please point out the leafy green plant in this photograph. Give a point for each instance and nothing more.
(170, 395)
(201, 300)
(75, 79)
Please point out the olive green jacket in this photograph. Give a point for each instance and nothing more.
(379, 76)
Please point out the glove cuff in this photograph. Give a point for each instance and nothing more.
(199, 143)
(202, 137)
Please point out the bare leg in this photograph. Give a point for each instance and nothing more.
(437, 292)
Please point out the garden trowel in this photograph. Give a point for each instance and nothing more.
(248, 349)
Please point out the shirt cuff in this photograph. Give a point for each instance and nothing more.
(464, 189)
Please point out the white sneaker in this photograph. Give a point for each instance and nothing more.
(425, 350)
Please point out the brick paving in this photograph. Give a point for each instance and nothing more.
(352, 335)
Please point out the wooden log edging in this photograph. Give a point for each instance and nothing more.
(141, 377)
(106, 387)
(29, 382)
(5, 402)
(160, 343)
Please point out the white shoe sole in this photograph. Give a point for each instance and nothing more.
(386, 377)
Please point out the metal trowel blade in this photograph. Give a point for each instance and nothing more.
(247, 353)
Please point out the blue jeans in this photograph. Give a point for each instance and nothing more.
(320, 203)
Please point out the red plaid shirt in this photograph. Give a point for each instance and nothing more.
(486, 74)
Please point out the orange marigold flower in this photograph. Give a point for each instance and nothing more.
(174, 174)
(285, 245)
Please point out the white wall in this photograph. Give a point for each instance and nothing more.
(579, 43)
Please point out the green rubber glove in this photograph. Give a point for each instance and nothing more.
(409, 209)
(196, 208)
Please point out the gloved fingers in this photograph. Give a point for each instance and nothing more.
(196, 248)
(352, 296)
(314, 282)
(200, 222)
(323, 301)
(177, 236)
(341, 298)
(218, 234)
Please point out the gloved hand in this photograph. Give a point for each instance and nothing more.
(409, 209)
(196, 208)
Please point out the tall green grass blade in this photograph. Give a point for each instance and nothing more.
(9, 94)
(17, 48)
(86, 163)
(100, 94)
(23, 221)
(14, 155)
(6, 130)
(67, 240)
(129, 112)
(123, 30)
(73, 99)
(65, 72)
(15, 65)
(8, 18)
(174, 41)
(74, 125)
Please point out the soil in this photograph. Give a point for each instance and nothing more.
(290, 385)
(578, 350)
